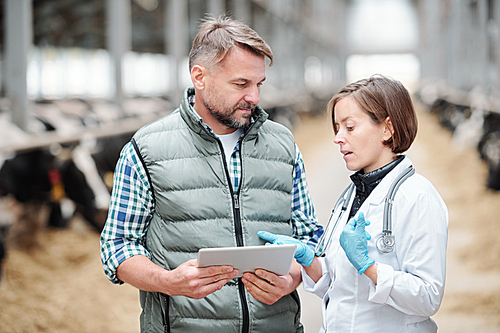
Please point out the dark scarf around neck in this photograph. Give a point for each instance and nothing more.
(366, 182)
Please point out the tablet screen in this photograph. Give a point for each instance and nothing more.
(274, 258)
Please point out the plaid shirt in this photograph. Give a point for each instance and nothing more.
(132, 206)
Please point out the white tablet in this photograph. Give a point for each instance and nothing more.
(274, 258)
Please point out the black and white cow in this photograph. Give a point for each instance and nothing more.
(51, 184)
(40, 178)
(50, 190)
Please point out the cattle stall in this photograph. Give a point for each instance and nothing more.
(460, 70)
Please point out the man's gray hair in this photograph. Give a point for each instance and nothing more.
(218, 36)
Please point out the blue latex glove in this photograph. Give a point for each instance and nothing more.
(354, 241)
(303, 254)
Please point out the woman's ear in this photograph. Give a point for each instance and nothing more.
(198, 75)
(388, 129)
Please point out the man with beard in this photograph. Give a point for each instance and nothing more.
(211, 174)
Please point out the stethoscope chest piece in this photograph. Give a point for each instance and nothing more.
(385, 243)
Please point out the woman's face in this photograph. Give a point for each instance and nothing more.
(360, 138)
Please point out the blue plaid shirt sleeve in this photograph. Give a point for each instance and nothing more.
(304, 221)
(130, 212)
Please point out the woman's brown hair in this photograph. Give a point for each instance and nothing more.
(381, 97)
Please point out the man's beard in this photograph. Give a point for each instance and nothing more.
(226, 117)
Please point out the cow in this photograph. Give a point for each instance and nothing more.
(50, 183)
(37, 177)
(489, 148)
(48, 191)
(450, 115)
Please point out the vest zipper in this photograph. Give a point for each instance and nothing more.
(246, 316)
(237, 223)
(234, 197)
(239, 240)
(239, 236)
(166, 319)
(237, 220)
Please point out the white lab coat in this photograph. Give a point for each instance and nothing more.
(411, 278)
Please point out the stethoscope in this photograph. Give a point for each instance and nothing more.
(386, 242)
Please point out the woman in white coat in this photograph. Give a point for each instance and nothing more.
(364, 289)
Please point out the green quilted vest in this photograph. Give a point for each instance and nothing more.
(195, 208)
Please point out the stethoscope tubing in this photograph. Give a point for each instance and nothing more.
(320, 250)
(389, 199)
(387, 219)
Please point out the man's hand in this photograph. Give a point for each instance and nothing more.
(186, 280)
(195, 282)
(268, 287)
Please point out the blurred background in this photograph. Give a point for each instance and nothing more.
(79, 77)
